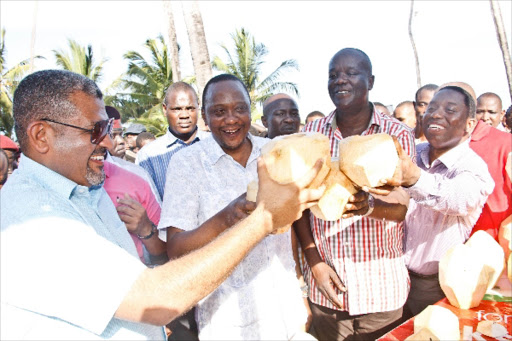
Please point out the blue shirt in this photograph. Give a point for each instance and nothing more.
(155, 156)
(67, 260)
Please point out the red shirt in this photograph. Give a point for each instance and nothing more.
(367, 254)
(494, 147)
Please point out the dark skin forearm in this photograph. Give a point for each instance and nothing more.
(181, 242)
(392, 207)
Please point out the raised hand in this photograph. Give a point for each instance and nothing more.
(285, 203)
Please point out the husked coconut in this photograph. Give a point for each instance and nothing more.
(423, 335)
(289, 157)
(490, 252)
(491, 329)
(252, 191)
(368, 159)
(463, 276)
(438, 321)
(338, 190)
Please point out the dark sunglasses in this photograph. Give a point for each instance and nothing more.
(98, 132)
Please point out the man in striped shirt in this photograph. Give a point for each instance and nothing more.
(181, 108)
(358, 282)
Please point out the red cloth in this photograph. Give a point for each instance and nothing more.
(494, 146)
(7, 143)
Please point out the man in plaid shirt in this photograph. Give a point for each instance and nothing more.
(358, 282)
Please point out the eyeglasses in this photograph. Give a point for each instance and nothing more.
(98, 132)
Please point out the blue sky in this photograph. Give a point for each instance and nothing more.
(456, 40)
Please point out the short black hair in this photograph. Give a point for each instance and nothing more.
(46, 94)
(366, 59)
(468, 99)
(430, 87)
(177, 86)
(145, 135)
(491, 94)
(221, 78)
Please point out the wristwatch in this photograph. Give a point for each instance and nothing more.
(371, 205)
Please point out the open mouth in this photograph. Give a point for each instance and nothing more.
(231, 131)
(435, 127)
(98, 158)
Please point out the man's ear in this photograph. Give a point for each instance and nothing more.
(264, 121)
(371, 80)
(470, 125)
(39, 134)
(203, 115)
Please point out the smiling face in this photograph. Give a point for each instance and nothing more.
(72, 154)
(181, 112)
(489, 110)
(446, 122)
(227, 111)
(350, 80)
(280, 116)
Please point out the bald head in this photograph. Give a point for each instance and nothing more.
(489, 109)
(280, 115)
(406, 114)
(365, 62)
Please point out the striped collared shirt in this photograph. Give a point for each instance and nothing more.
(366, 254)
(155, 156)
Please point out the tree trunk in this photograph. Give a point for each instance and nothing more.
(198, 48)
(502, 39)
(416, 59)
(173, 43)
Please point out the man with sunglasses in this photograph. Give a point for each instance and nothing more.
(69, 269)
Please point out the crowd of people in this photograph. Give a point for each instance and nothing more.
(109, 233)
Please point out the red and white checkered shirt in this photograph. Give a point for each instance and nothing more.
(367, 254)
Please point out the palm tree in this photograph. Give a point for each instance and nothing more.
(198, 46)
(9, 80)
(198, 49)
(502, 40)
(173, 42)
(139, 92)
(411, 37)
(80, 60)
(245, 63)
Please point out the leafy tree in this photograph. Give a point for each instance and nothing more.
(80, 60)
(10, 78)
(245, 62)
(139, 92)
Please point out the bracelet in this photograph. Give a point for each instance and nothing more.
(153, 230)
(371, 205)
